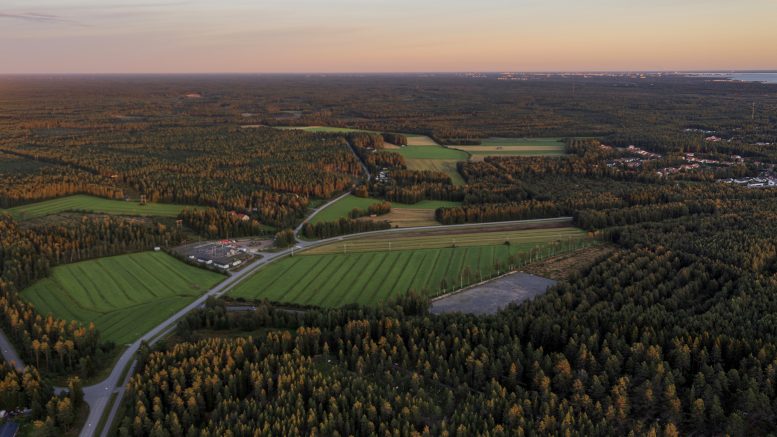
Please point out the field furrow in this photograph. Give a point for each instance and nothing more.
(371, 274)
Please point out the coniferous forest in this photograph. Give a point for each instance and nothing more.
(672, 332)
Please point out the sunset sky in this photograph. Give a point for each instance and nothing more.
(148, 36)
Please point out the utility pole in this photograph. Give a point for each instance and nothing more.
(752, 116)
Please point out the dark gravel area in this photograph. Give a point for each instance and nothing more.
(492, 296)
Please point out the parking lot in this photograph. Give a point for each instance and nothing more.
(222, 254)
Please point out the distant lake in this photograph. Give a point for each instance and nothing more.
(744, 77)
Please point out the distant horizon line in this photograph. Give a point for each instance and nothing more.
(377, 73)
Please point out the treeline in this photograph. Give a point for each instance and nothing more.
(531, 209)
(380, 208)
(461, 142)
(414, 177)
(218, 223)
(29, 253)
(395, 139)
(284, 238)
(49, 181)
(598, 219)
(343, 226)
(415, 193)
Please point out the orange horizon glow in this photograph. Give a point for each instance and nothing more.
(92, 36)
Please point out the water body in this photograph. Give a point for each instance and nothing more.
(744, 77)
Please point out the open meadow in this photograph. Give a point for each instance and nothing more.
(515, 147)
(82, 202)
(368, 272)
(342, 207)
(125, 296)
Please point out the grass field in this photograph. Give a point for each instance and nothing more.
(342, 207)
(432, 152)
(400, 241)
(516, 147)
(372, 276)
(436, 158)
(81, 202)
(125, 296)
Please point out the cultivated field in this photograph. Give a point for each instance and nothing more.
(125, 296)
(342, 207)
(411, 240)
(371, 273)
(432, 152)
(80, 202)
(515, 147)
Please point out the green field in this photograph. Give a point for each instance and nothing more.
(516, 147)
(522, 142)
(125, 296)
(434, 158)
(432, 152)
(440, 239)
(81, 202)
(372, 277)
(342, 207)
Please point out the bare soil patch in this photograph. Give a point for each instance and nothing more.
(408, 217)
(420, 140)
